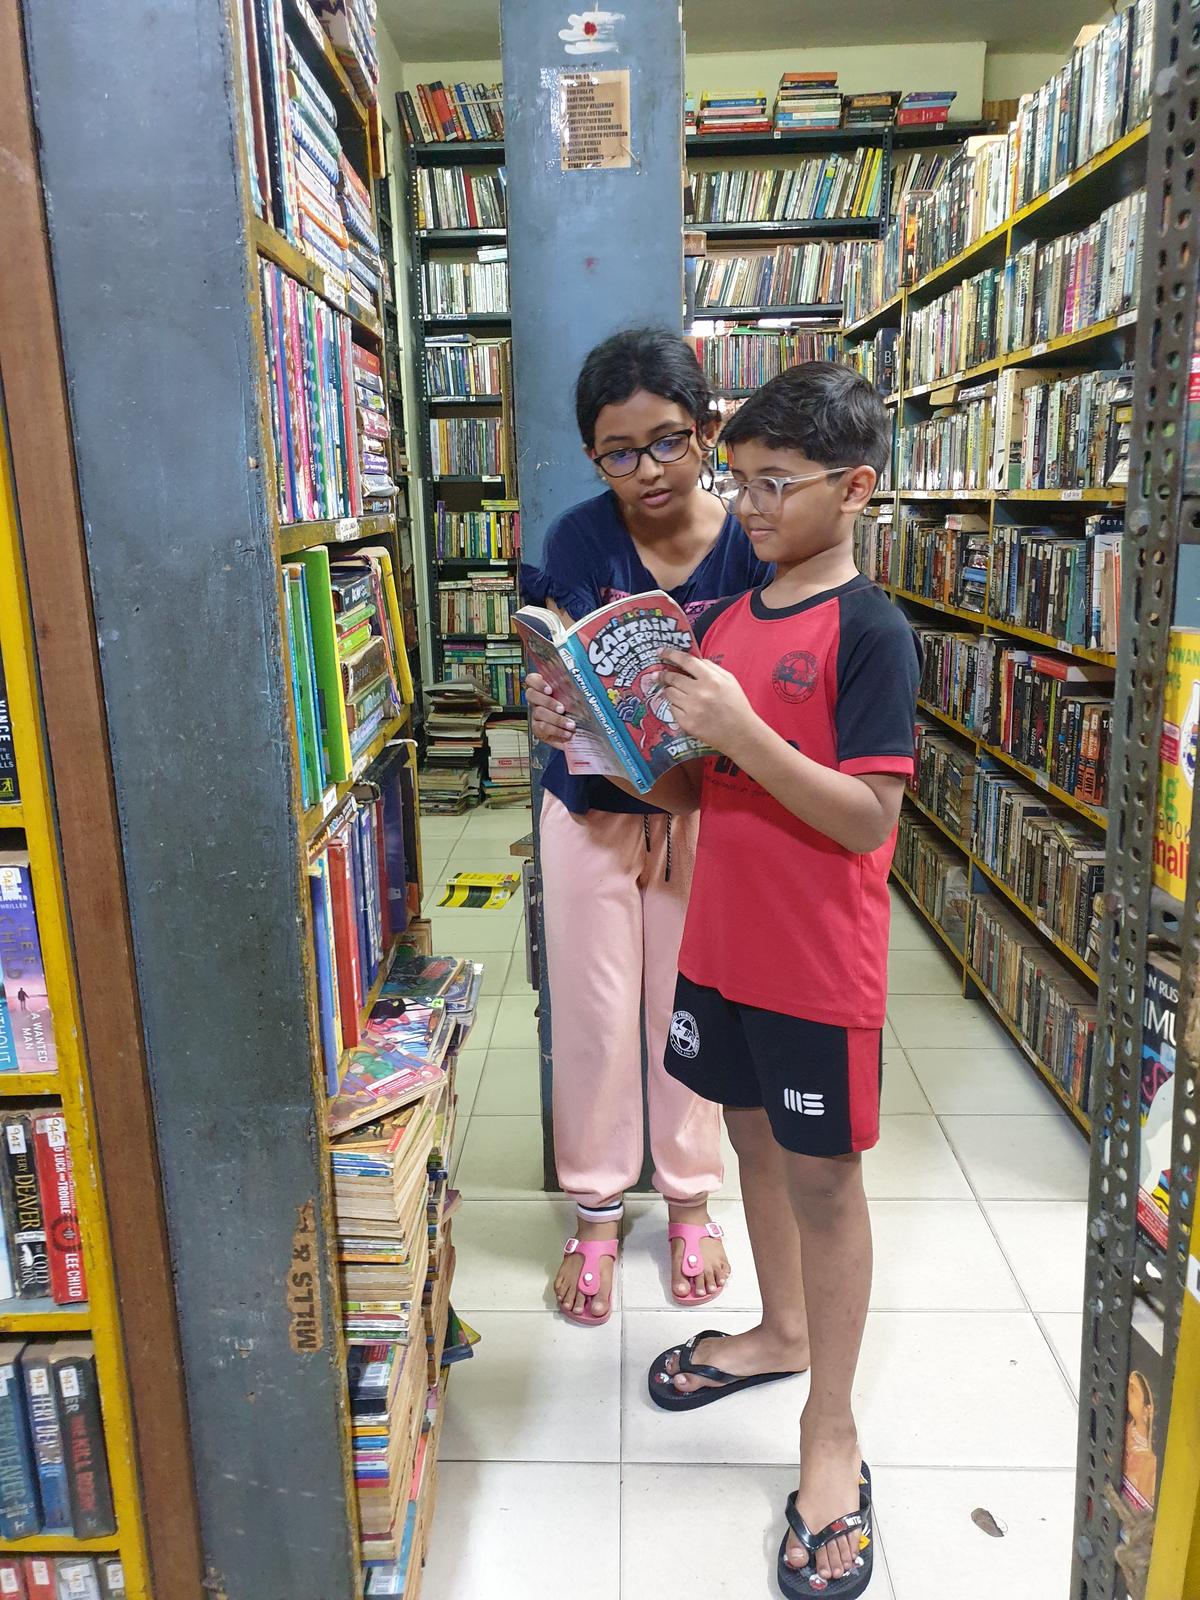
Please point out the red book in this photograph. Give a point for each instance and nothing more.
(425, 96)
(447, 121)
(12, 1581)
(469, 199)
(921, 116)
(345, 941)
(364, 360)
(56, 1180)
(39, 1578)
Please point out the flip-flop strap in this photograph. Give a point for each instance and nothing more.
(693, 1369)
(854, 1523)
(593, 1251)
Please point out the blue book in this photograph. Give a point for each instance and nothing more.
(45, 1429)
(20, 1514)
(327, 997)
(23, 970)
(386, 773)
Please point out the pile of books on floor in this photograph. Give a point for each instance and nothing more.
(394, 1211)
(379, 488)
(54, 1476)
(438, 113)
(806, 101)
(508, 775)
(456, 713)
(734, 113)
(62, 1578)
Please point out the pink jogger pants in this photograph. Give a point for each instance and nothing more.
(613, 925)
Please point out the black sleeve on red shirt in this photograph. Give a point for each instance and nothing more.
(878, 672)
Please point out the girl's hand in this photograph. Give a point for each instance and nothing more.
(550, 723)
(707, 701)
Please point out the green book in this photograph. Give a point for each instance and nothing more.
(328, 665)
(310, 723)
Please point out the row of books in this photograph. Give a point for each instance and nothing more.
(509, 773)
(877, 358)
(956, 331)
(495, 667)
(790, 274)
(1076, 280)
(456, 715)
(953, 448)
(1101, 93)
(459, 367)
(54, 1474)
(439, 113)
(482, 603)
(10, 786)
(27, 1042)
(460, 197)
(915, 172)
(349, 665)
(41, 1253)
(941, 558)
(62, 1578)
(379, 488)
(467, 447)
(1058, 581)
(810, 101)
(362, 876)
(1049, 1006)
(1071, 432)
(935, 875)
(744, 358)
(944, 778)
(814, 188)
(1052, 714)
(464, 288)
(312, 401)
(492, 533)
(972, 198)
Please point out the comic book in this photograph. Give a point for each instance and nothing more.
(607, 671)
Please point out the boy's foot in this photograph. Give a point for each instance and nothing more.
(830, 1464)
(571, 1299)
(742, 1355)
(712, 1255)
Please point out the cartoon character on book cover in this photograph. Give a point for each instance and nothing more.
(625, 652)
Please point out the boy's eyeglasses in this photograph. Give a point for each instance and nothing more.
(622, 463)
(766, 494)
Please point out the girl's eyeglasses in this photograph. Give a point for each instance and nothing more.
(766, 494)
(621, 463)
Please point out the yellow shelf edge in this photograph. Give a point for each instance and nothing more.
(63, 1544)
(851, 330)
(12, 814)
(297, 536)
(272, 244)
(1063, 342)
(17, 1085)
(314, 819)
(984, 619)
(1105, 158)
(1031, 916)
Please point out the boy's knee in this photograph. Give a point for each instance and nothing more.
(749, 1129)
(824, 1181)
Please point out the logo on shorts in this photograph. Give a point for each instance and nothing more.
(685, 1035)
(807, 1105)
(795, 676)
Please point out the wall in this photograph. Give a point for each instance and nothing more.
(1008, 76)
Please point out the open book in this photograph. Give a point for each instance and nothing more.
(607, 671)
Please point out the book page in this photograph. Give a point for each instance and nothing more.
(589, 753)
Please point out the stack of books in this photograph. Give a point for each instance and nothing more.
(364, 265)
(56, 1577)
(439, 113)
(454, 197)
(508, 775)
(317, 160)
(806, 101)
(379, 488)
(735, 113)
(495, 665)
(27, 1042)
(351, 26)
(689, 115)
(925, 108)
(456, 714)
(875, 109)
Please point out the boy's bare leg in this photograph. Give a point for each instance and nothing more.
(780, 1342)
(831, 1214)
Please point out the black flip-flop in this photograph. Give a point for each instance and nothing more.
(662, 1383)
(794, 1581)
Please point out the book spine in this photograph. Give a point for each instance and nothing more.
(39, 1578)
(12, 1580)
(574, 657)
(112, 1578)
(24, 972)
(56, 1179)
(23, 1211)
(9, 787)
(18, 1487)
(46, 1431)
(83, 1441)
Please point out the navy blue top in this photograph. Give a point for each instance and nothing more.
(589, 560)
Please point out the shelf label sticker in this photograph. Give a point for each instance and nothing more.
(1072, 494)
(1059, 188)
(305, 1331)
(1064, 644)
(593, 119)
(1042, 781)
(1043, 928)
(346, 528)
(1039, 349)
(329, 802)
(335, 292)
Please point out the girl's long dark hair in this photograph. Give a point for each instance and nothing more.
(652, 359)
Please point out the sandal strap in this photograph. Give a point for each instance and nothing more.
(854, 1522)
(593, 1251)
(692, 1234)
(694, 1369)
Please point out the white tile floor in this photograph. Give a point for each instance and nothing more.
(559, 1476)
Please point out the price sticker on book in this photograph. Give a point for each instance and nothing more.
(68, 1382)
(346, 528)
(1042, 781)
(335, 292)
(328, 803)
(38, 1379)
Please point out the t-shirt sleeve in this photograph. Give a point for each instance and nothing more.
(568, 574)
(879, 670)
(703, 623)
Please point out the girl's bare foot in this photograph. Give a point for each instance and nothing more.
(830, 1463)
(566, 1284)
(742, 1355)
(712, 1254)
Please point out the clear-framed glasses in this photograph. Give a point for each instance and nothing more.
(766, 494)
(622, 463)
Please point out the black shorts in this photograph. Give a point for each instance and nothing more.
(818, 1083)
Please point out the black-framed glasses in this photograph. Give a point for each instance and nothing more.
(622, 463)
(766, 494)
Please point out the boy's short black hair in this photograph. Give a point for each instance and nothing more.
(641, 358)
(823, 410)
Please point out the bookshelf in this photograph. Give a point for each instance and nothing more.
(949, 305)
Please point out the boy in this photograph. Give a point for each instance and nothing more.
(806, 688)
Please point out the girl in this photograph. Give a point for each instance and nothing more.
(616, 872)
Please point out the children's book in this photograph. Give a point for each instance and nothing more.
(607, 671)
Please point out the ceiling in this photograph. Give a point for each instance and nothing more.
(450, 30)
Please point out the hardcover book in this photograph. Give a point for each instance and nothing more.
(19, 1513)
(74, 1365)
(46, 1430)
(24, 1218)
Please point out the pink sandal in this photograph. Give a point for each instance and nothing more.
(593, 1251)
(693, 1262)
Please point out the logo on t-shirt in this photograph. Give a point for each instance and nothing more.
(685, 1035)
(795, 676)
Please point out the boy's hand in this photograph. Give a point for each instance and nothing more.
(550, 724)
(707, 701)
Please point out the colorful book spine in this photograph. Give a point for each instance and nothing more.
(19, 1511)
(46, 1432)
(24, 973)
(23, 1215)
(56, 1181)
(83, 1439)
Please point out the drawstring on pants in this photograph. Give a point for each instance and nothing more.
(646, 836)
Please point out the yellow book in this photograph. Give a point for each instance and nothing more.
(395, 620)
(1177, 775)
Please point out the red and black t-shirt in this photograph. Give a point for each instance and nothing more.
(782, 917)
